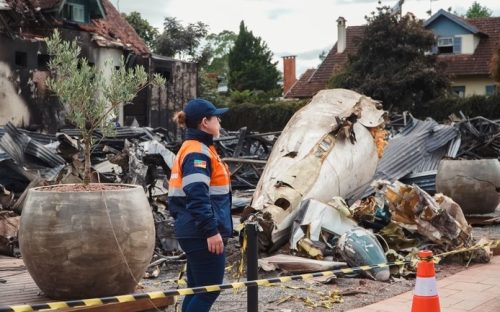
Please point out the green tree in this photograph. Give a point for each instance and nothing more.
(180, 40)
(250, 64)
(89, 98)
(220, 45)
(142, 27)
(215, 64)
(392, 65)
(476, 10)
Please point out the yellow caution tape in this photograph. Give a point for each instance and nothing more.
(478, 246)
(213, 288)
(186, 291)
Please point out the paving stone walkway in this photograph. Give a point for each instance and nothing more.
(476, 289)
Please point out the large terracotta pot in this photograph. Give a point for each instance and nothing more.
(86, 244)
(472, 184)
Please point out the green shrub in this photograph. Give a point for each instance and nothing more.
(254, 97)
(476, 105)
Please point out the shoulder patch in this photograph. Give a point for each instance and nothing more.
(200, 163)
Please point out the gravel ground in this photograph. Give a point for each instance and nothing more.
(368, 291)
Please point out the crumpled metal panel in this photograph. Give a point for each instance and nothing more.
(16, 144)
(480, 138)
(419, 147)
(296, 264)
(408, 150)
(318, 217)
(3, 155)
(437, 218)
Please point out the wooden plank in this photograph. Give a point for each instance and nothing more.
(19, 288)
(241, 140)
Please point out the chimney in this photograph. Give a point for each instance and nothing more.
(289, 76)
(341, 38)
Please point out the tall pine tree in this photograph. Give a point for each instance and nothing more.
(250, 64)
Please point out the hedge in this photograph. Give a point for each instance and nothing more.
(274, 116)
(476, 105)
(260, 117)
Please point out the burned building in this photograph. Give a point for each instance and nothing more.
(104, 37)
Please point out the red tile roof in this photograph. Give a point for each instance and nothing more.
(46, 4)
(477, 64)
(333, 62)
(115, 31)
(299, 86)
(111, 31)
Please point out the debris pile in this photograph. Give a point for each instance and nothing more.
(328, 152)
(141, 156)
(340, 185)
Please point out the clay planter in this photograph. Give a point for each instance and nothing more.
(471, 183)
(70, 249)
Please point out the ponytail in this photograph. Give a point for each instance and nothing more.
(180, 119)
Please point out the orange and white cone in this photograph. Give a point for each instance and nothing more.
(425, 296)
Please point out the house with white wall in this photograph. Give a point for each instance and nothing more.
(466, 46)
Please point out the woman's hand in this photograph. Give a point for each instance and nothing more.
(215, 244)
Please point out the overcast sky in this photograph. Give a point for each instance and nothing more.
(290, 27)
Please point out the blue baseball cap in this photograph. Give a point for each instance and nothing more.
(196, 109)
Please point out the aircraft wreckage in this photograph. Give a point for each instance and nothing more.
(327, 149)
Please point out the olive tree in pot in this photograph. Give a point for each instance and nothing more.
(87, 240)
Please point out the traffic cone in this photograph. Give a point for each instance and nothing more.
(425, 296)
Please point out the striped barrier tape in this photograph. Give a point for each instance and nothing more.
(213, 288)
(494, 243)
(189, 291)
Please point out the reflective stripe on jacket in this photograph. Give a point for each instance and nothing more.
(199, 192)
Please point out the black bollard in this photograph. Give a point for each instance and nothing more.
(252, 266)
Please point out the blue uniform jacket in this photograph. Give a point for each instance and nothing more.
(200, 210)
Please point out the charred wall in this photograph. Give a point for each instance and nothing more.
(26, 102)
(23, 97)
(181, 87)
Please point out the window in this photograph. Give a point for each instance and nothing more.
(444, 42)
(491, 90)
(457, 45)
(165, 73)
(459, 90)
(74, 12)
(445, 45)
(21, 59)
(43, 61)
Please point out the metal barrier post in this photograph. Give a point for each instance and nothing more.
(252, 266)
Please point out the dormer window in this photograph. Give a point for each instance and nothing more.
(445, 45)
(448, 45)
(74, 12)
(82, 11)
